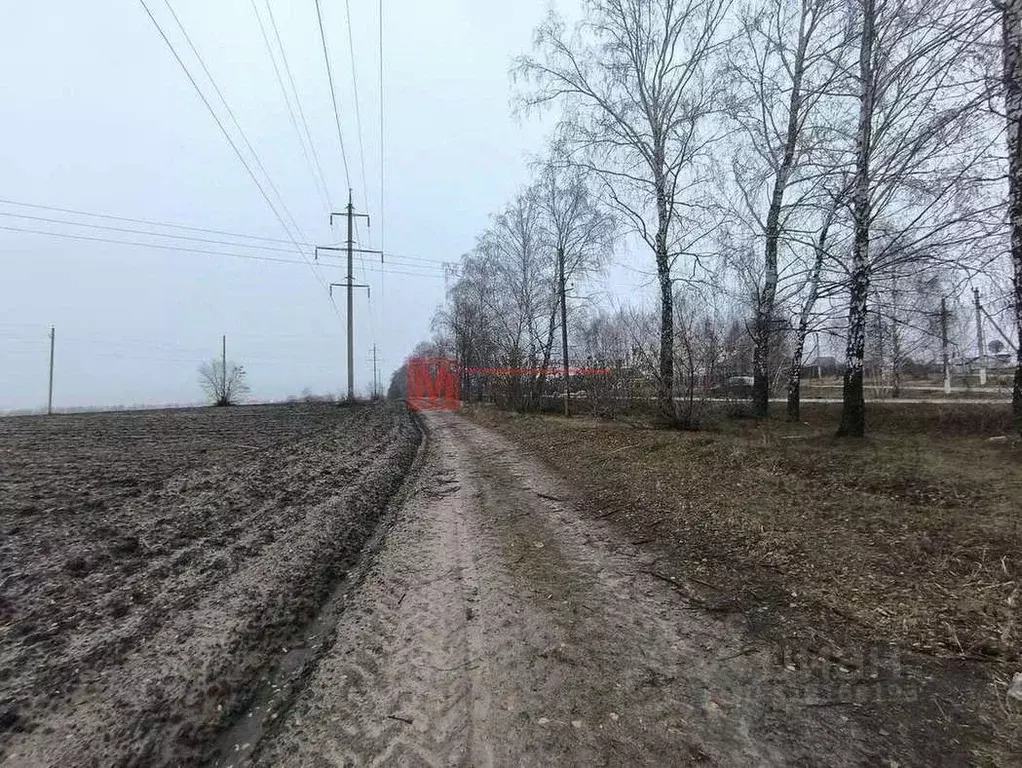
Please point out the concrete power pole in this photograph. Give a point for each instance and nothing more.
(223, 364)
(375, 389)
(979, 338)
(943, 346)
(349, 282)
(49, 398)
(564, 330)
(351, 319)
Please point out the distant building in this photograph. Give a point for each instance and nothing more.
(1000, 366)
(821, 367)
(1000, 362)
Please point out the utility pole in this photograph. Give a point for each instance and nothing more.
(349, 282)
(375, 390)
(880, 343)
(49, 398)
(895, 342)
(943, 345)
(564, 330)
(979, 338)
(223, 365)
(351, 323)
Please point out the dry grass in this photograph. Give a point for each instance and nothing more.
(911, 537)
(914, 537)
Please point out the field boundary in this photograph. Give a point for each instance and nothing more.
(284, 676)
(750, 570)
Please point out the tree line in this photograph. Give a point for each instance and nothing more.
(782, 169)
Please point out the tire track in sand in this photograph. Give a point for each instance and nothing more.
(398, 687)
(499, 627)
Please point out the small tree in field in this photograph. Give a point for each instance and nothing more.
(224, 383)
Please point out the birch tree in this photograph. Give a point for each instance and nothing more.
(468, 318)
(579, 231)
(518, 269)
(918, 152)
(1011, 22)
(782, 68)
(636, 86)
(814, 289)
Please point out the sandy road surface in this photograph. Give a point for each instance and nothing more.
(495, 626)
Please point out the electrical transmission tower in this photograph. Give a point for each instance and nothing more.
(349, 283)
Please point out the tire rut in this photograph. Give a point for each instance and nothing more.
(499, 627)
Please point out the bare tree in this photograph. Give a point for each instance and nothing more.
(636, 87)
(782, 67)
(918, 151)
(223, 382)
(523, 298)
(812, 293)
(580, 232)
(469, 320)
(1011, 21)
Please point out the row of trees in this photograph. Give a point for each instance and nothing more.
(512, 291)
(781, 161)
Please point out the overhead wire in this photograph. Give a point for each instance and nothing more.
(317, 182)
(188, 228)
(298, 98)
(234, 119)
(189, 238)
(148, 222)
(160, 246)
(230, 141)
(358, 109)
(129, 230)
(362, 164)
(187, 249)
(135, 348)
(365, 276)
(333, 93)
(383, 251)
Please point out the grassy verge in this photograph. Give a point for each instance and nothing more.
(911, 537)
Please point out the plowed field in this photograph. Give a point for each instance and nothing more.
(153, 565)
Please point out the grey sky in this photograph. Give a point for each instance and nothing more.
(98, 116)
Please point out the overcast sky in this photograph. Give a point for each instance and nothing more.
(96, 115)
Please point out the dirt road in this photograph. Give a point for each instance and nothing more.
(495, 626)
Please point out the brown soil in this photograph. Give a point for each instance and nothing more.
(500, 624)
(154, 565)
(273, 586)
(906, 543)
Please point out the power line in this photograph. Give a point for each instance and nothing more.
(413, 260)
(421, 269)
(231, 114)
(358, 110)
(383, 292)
(185, 249)
(148, 222)
(401, 261)
(131, 231)
(298, 99)
(290, 111)
(160, 246)
(372, 307)
(230, 141)
(381, 122)
(333, 95)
